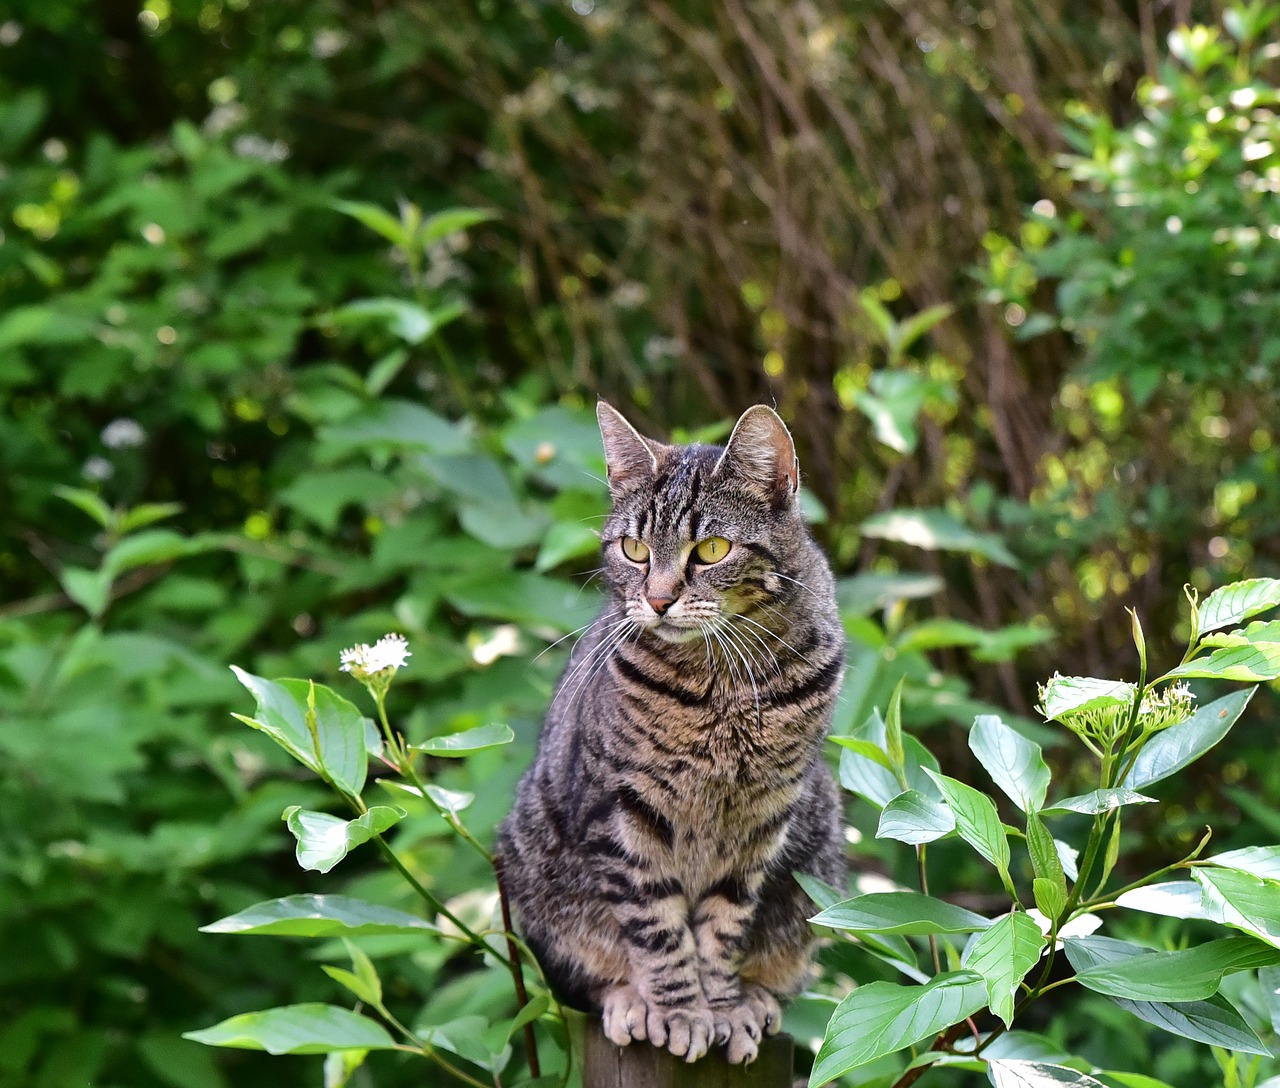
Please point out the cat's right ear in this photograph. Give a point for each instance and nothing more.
(627, 455)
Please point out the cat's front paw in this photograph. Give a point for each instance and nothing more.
(687, 1033)
(626, 1016)
(740, 1027)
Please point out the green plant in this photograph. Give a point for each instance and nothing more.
(981, 974)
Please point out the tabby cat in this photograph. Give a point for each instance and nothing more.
(679, 782)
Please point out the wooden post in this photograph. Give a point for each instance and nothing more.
(643, 1066)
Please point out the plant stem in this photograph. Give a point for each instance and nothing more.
(517, 969)
(924, 888)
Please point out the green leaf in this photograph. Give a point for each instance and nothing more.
(937, 530)
(324, 840)
(912, 817)
(1045, 862)
(1180, 745)
(468, 742)
(450, 801)
(865, 749)
(1187, 975)
(1014, 763)
(1066, 695)
(1002, 955)
(375, 218)
(869, 778)
(1214, 1022)
(1050, 897)
(353, 983)
(297, 1029)
(153, 546)
(1172, 899)
(977, 821)
(822, 893)
(412, 323)
(907, 913)
(88, 503)
(147, 513)
(1099, 801)
(893, 950)
(1258, 661)
(1249, 903)
(1231, 604)
(320, 916)
(399, 424)
(450, 221)
(1263, 861)
(90, 589)
(282, 712)
(466, 1037)
(893, 735)
(864, 593)
(881, 1018)
(1009, 1073)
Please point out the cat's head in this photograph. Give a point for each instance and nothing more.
(700, 532)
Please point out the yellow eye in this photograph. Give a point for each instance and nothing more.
(634, 550)
(711, 550)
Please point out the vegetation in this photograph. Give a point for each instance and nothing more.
(302, 312)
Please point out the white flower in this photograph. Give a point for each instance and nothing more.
(389, 652)
(123, 433)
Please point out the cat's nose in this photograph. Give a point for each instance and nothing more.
(660, 604)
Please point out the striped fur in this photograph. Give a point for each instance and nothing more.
(679, 781)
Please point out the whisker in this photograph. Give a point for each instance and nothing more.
(600, 648)
(763, 646)
(584, 627)
(736, 648)
(603, 661)
(802, 585)
(767, 631)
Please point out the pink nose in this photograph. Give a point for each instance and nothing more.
(660, 604)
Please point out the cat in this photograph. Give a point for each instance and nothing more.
(679, 780)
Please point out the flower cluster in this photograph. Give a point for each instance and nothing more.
(377, 662)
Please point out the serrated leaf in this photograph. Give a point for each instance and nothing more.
(899, 912)
(1009, 1073)
(1253, 663)
(466, 743)
(1249, 903)
(977, 821)
(1190, 974)
(1231, 604)
(1099, 801)
(1014, 763)
(1066, 695)
(324, 840)
(881, 1018)
(1181, 745)
(1002, 955)
(320, 916)
(297, 1029)
(912, 817)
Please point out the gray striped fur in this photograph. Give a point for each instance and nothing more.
(679, 781)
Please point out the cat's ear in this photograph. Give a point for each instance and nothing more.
(627, 455)
(761, 452)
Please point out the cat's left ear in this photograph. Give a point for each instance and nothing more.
(760, 451)
(628, 455)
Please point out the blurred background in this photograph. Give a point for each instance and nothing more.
(304, 308)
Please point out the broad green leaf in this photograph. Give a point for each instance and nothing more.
(450, 221)
(822, 893)
(1188, 975)
(297, 1029)
(1256, 662)
(865, 749)
(1263, 861)
(869, 779)
(1172, 899)
(152, 546)
(937, 530)
(87, 502)
(466, 1037)
(1231, 604)
(1180, 745)
(1002, 955)
(1004, 1073)
(912, 817)
(147, 513)
(320, 916)
(1099, 801)
(340, 727)
(1014, 763)
(1260, 631)
(480, 739)
(881, 1018)
(451, 801)
(1009, 1073)
(399, 424)
(1025, 1046)
(90, 589)
(1214, 1022)
(865, 593)
(1136, 1080)
(977, 821)
(1066, 695)
(1050, 897)
(324, 840)
(411, 322)
(899, 912)
(1249, 903)
(375, 218)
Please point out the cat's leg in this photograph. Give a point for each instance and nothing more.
(722, 924)
(662, 1000)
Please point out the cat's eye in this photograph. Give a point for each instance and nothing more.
(711, 550)
(634, 549)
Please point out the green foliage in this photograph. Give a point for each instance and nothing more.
(1007, 965)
